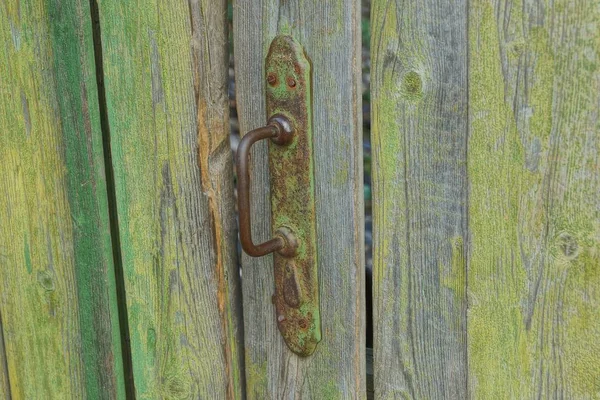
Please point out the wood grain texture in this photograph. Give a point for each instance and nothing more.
(57, 296)
(165, 68)
(534, 209)
(4, 384)
(329, 32)
(419, 132)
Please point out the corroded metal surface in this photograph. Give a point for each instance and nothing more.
(272, 131)
(291, 166)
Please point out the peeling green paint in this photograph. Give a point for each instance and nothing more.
(58, 280)
(167, 112)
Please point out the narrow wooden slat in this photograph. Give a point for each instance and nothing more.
(165, 68)
(419, 133)
(57, 295)
(329, 32)
(534, 213)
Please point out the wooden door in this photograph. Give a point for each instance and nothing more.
(120, 273)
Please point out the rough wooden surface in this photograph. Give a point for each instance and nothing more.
(534, 213)
(57, 295)
(329, 32)
(4, 385)
(165, 70)
(419, 132)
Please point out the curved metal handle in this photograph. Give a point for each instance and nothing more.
(279, 130)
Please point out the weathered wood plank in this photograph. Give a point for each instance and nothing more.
(419, 133)
(57, 296)
(330, 34)
(4, 385)
(534, 209)
(165, 69)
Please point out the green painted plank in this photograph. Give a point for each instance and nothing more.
(419, 145)
(534, 209)
(165, 74)
(329, 31)
(58, 297)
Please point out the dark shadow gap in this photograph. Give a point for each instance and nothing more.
(367, 181)
(4, 359)
(467, 250)
(112, 204)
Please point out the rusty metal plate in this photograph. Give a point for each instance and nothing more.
(296, 297)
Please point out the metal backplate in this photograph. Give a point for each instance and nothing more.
(296, 296)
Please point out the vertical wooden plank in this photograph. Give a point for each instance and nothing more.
(534, 212)
(165, 70)
(58, 296)
(419, 132)
(330, 34)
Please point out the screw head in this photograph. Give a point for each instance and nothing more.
(272, 78)
(291, 82)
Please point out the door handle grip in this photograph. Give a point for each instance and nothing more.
(280, 131)
(288, 97)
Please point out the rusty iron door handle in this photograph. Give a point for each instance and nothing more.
(293, 215)
(280, 132)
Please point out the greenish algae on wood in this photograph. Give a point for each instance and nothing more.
(329, 31)
(419, 133)
(58, 296)
(534, 222)
(165, 68)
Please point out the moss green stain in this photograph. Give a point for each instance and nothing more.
(532, 223)
(455, 279)
(27, 254)
(56, 201)
(329, 390)
(497, 354)
(138, 96)
(153, 109)
(256, 378)
(412, 86)
(543, 87)
(79, 109)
